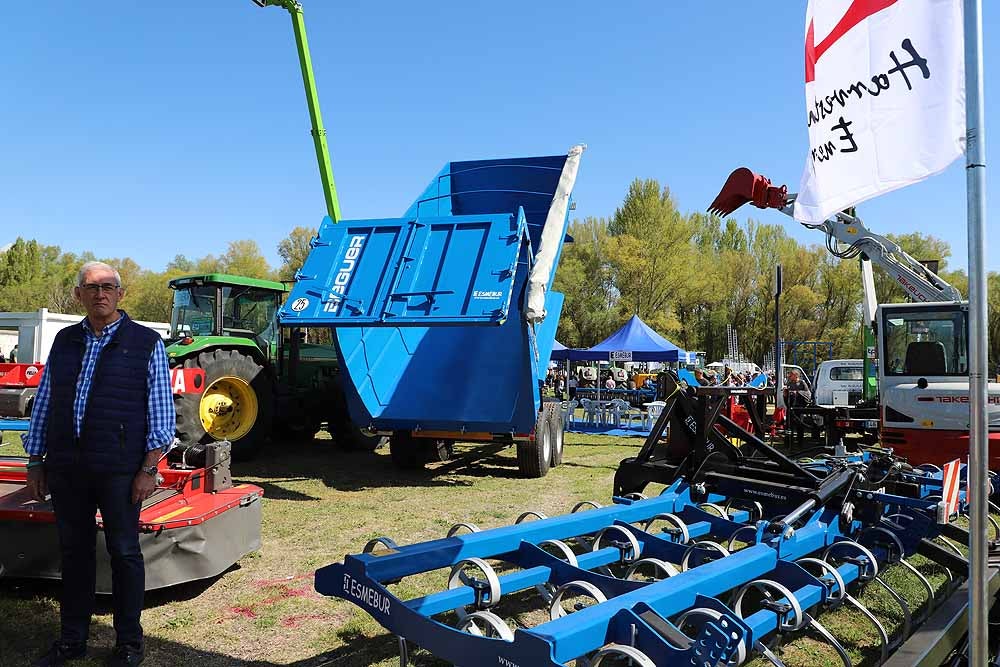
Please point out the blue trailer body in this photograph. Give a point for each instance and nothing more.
(428, 310)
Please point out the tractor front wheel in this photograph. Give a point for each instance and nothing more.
(235, 406)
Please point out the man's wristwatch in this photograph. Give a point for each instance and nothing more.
(150, 470)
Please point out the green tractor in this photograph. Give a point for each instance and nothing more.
(259, 378)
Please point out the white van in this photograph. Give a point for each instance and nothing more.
(839, 382)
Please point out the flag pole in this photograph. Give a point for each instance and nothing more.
(975, 166)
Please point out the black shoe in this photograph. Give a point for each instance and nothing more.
(125, 656)
(60, 654)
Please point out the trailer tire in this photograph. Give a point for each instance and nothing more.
(347, 435)
(437, 451)
(534, 456)
(405, 451)
(238, 392)
(557, 433)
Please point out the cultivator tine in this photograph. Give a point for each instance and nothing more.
(743, 186)
(646, 581)
(404, 654)
(837, 646)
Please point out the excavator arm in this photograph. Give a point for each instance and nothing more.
(847, 236)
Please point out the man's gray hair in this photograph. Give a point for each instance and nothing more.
(90, 266)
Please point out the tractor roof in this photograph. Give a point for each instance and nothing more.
(226, 279)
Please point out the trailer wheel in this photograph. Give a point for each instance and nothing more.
(534, 456)
(347, 435)
(556, 425)
(405, 451)
(235, 406)
(437, 451)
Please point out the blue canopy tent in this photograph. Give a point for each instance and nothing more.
(636, 337)
(560, 352)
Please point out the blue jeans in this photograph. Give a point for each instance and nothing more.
(76, 496)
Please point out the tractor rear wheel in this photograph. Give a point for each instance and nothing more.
(236, 405)
(534, 456)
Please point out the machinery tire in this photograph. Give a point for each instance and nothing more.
(557, 433)
(534, 456)
(238, 392)
(437, 451)
(405, 451)
(347, 435)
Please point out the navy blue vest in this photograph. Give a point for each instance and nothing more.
(113, 432)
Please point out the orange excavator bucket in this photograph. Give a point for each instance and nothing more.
(744, 186)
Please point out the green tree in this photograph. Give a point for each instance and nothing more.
(243, 258)
(293, 250)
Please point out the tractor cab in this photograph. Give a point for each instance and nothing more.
(224, 305)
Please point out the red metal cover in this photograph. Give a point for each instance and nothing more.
(20, 375)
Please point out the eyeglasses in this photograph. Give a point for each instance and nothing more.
(94, 288)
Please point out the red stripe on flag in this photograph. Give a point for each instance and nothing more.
(855, 14)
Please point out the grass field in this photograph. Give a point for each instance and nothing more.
(321, 504)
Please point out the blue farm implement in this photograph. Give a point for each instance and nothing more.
(742, 549)
(444, 319)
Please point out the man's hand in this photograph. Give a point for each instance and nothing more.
(37, 486)
(142, 487)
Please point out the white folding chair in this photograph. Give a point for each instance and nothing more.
(618, 410)
(569, 413)
(653, 412)
(591, 411)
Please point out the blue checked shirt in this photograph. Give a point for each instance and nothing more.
(160, 411)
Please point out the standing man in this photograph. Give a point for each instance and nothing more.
(795, 397)
(103, 413)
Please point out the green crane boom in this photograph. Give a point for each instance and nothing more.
(312, 100)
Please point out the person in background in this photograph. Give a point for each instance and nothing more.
(699, 375)
(103, 414)
(795, 397)
(572, 386)
(3, 359)
(13, 355)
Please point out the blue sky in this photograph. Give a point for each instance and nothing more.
(160, 128)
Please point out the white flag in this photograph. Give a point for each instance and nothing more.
(885, 98)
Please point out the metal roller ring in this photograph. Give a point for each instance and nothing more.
(673, 518)
(714, 615)
(742, 529)
(636, 657)
(555, 607)
(873, 564)
(755, 505)
(529, 513)
(766, 586)
(454, 530)
(702, 543)
(712, 506)
(563, 548)
(893, 536)
(490, 619)
(833, 572)
(628, 536)
(386, 542)
(666, 568)
(584, 503)
(459, 578)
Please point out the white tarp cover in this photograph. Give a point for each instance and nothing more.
(552, 236)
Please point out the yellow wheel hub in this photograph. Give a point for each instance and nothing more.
(228, 408)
